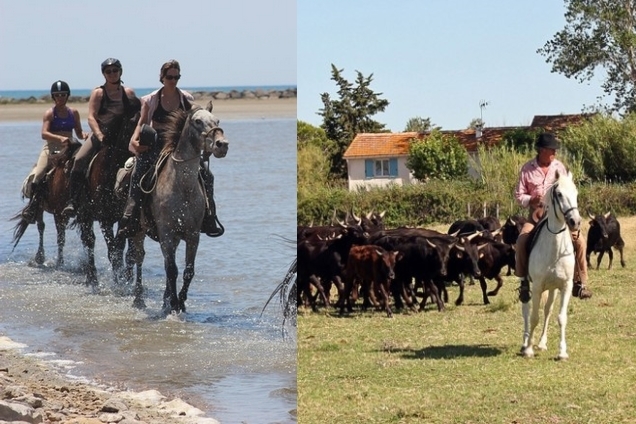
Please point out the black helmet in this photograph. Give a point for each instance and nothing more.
(547, 141)
(60, 86)
(111, 62)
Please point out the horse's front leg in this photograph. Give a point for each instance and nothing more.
(39, 256)
(87, 235)
(135, 256)
(115, 247)
(188, 272)
(547, 312)
(172, 272)
(60, 226)
(566, 293)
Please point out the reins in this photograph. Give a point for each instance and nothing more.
(565, 213)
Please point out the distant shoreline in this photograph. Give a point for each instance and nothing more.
(43, 96)
(227, 108)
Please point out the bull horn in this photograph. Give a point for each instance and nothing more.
(607, 215)
(354, 215)
(481, 246)
(430, 243)
(496, 232)
(378, 252)
(342, 224)
(454, 234)
(460, 247)
(590, 215)
(370, 214)
(382, 214)
(473, 235)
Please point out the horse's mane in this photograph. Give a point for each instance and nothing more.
(174, 126)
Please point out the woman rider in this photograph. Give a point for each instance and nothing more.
(58, 124)
(107, 103)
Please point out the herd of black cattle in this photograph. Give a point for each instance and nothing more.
(359, 256)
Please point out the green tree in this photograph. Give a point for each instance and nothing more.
(350, 114)
(438, 156)
(419, 124)
(315, 152)
(598, 34)
(477, 123)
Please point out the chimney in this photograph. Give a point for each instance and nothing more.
(478, 132)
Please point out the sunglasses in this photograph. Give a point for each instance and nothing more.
(173, 77)
(111, 71)
(59, 94)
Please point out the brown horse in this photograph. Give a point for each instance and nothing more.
(55, 199)
(100, 202)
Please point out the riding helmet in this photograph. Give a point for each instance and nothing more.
(111, 62)
(547, 141)
(60, 86)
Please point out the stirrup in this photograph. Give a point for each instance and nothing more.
(69, 210)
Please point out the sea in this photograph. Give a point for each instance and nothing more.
(85, 92)
(226, 356)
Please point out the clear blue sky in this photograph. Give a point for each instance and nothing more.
(217, 42)
(439, 59)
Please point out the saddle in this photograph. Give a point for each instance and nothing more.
(532, 235)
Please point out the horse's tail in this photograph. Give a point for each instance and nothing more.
(287, 292)
(20, 227)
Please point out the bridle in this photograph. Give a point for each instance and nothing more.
(554, 201)
(205, 136)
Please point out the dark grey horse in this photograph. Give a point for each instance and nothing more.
(178, 202)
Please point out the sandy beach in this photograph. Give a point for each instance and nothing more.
(230, 109)
(34, 390)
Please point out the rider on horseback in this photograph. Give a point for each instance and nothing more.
(154, 111)
(535, 178)
(107, 103)
(58, 125)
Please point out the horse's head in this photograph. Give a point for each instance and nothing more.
(564, 201)
(206, 124)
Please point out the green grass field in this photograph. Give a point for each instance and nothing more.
(463, 366)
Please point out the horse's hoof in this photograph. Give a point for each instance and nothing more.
(562, 357)
(542, 347)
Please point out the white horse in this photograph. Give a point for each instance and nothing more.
(551, 263)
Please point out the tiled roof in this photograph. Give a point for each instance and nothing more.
(558, 122)
(369, 145)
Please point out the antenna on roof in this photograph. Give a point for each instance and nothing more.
(482, 106)
(479, 127)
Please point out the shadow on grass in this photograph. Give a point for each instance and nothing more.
(450, 352)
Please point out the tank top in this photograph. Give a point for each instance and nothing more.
(63, 124)
(111, 109)
(161, 115)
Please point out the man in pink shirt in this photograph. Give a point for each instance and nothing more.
(535, 178)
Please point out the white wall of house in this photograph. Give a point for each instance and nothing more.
(357, 178)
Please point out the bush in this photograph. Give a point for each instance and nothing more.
(439, 156)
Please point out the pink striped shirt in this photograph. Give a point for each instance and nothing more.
(532, 180)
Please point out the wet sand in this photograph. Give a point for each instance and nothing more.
(230, 109)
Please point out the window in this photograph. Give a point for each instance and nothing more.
(380, 168)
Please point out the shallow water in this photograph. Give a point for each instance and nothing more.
(223, 357)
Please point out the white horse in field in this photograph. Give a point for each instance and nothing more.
(551, 263)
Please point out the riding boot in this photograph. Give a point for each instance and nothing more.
(75, 188)
(579, 290)
(524, 290)
(37, 195)
(130, 223)
(209, 226)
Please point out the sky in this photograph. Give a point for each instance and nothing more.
(439, 59)
(218, 43)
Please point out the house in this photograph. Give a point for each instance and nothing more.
(379, 159)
